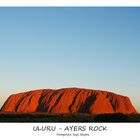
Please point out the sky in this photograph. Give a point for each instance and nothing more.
(58, 47)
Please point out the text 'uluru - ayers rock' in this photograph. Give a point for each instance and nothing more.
(69, 100)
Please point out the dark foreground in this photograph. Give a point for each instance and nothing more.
(75, 117)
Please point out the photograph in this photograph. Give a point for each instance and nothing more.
(69, 64)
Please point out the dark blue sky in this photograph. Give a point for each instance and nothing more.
(95, 48)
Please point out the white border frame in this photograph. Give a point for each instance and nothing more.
(69, 2)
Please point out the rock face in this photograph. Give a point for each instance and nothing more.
(69, 100)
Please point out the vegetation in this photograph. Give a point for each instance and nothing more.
(73, 117)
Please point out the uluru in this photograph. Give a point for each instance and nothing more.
(69, 100)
